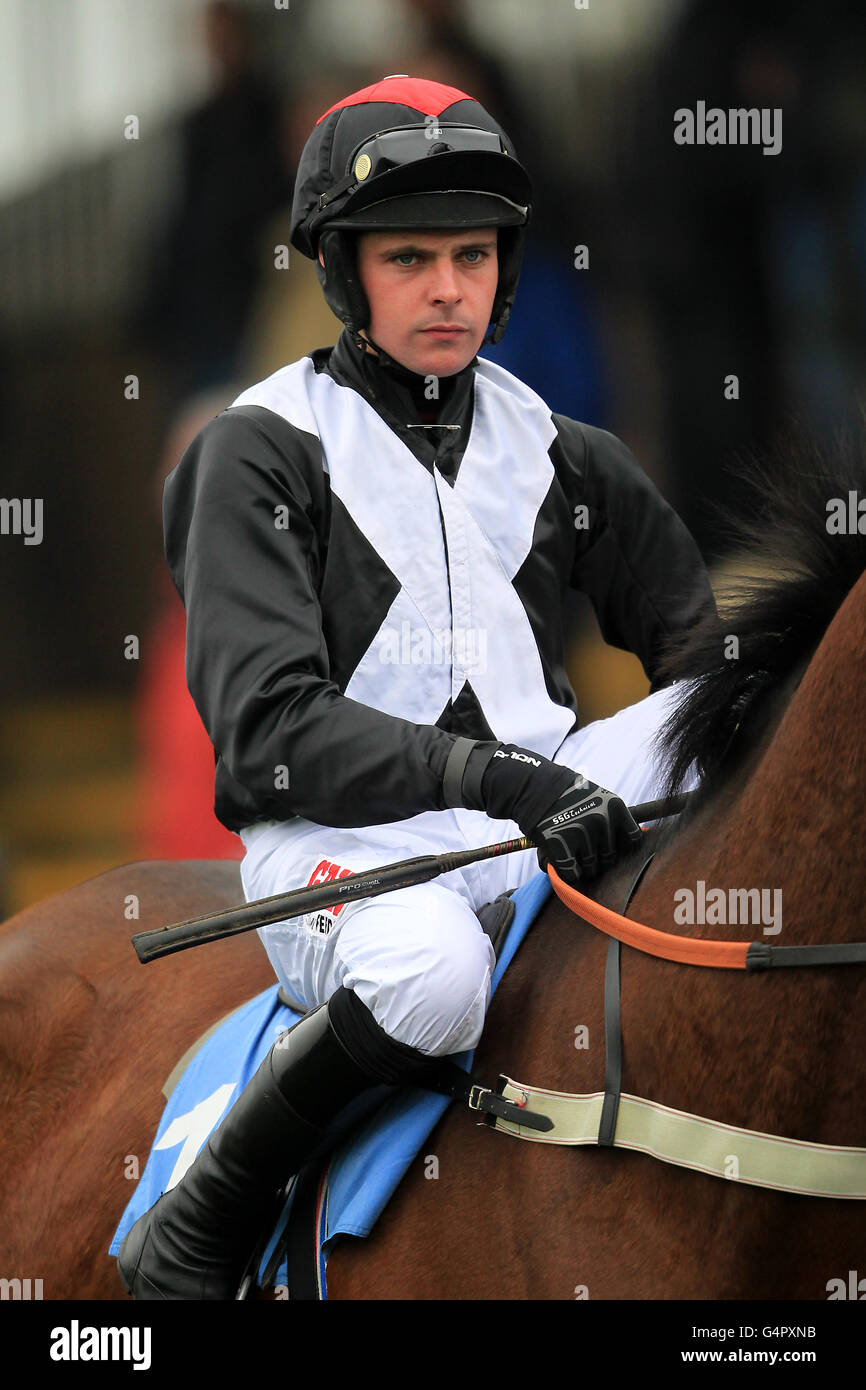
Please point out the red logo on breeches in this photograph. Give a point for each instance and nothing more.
(325, 872)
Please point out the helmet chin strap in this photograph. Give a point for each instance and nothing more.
(363, 342)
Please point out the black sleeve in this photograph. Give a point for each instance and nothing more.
(634, 557)
(245, 527)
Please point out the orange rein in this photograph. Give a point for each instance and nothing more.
(724, 955)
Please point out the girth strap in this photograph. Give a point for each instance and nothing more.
(449, 1079)
(691, 1141)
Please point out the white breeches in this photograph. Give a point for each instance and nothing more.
(418, 957)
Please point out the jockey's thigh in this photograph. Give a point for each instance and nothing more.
(619, 753)
(417, 957)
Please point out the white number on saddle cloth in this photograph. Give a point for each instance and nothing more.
(193, 1128)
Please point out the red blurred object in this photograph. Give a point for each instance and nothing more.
(175, 809)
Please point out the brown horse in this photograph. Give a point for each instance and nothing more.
(88, 1035)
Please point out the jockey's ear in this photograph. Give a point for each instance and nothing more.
(321, 257)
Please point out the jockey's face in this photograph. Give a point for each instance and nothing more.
(430, 295)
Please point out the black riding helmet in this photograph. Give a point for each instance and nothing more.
(406, 152)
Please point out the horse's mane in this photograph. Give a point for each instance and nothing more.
(793, 574)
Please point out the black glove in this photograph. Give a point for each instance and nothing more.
(584, 832)
(578, 826)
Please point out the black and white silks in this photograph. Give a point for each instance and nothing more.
(360, 593)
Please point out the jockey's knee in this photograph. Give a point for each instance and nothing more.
(432, 992)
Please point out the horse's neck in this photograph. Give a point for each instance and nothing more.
(789, 813)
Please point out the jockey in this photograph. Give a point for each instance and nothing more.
(374, 547)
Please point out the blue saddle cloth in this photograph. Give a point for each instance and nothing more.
(388, 1127)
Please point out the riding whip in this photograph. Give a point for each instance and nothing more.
(179, 936)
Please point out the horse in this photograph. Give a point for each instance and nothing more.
(88, 1036)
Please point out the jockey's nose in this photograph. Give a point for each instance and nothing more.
(444, 288)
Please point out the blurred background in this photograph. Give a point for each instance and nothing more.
(147, 154)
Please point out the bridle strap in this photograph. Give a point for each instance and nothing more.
(760, 956)
(613, 1028)
(687, 950)
(726, 955)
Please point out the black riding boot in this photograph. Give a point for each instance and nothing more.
(195, 1242)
